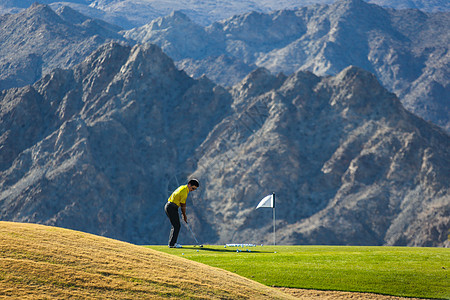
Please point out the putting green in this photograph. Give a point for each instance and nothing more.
(398, 271)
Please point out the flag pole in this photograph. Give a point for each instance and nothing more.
(274, 235)
(269, 201)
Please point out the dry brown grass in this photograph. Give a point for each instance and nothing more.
(305, 294)
(41, 262)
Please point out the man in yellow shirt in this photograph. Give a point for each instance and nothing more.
(178, 199)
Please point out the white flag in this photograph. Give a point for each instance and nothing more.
(266, 202)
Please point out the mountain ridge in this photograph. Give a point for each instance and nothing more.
(38, 40)
(129, 13)
(101, 146)
(316, 176)
(88, 108)
(400, 47)
(405, 55)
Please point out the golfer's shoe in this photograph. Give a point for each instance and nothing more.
(176, 246)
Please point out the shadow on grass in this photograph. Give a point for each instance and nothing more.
(224, 249)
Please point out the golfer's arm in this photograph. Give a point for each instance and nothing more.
(183, 210)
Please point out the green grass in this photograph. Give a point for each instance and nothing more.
(397, 271)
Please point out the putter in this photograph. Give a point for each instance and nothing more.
(189, 227)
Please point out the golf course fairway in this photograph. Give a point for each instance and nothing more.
(398, 271)
(42, 262)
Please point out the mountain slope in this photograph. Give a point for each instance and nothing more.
(48, 262)
(348, 163)
(101, 140)
(38, 40)
(406, 49)
(99, 148)
(430, 6)
(133, 13)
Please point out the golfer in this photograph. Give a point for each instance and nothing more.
(176, 200)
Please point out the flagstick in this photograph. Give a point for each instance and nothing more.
(269, 201)
(274, 235)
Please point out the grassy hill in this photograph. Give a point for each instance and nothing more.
(40, 262)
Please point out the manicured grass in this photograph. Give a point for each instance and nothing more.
(398, 271)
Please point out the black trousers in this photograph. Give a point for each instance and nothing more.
(171, 210)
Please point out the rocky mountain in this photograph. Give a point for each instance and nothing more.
(348, 163)
(98, 148)
(406, 49)
(93, 147)
(429, 6)
(38, 40)
(133, 13)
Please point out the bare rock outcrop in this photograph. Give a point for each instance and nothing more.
(98, 148)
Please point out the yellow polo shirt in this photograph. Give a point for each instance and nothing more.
(179, 195)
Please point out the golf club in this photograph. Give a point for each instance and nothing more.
(187, 225)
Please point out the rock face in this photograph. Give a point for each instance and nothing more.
(406, 49)
(99, 147)
(430, 6)
(38, 40)
(94, 147)
(346, 162)
(133, 13)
